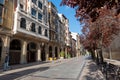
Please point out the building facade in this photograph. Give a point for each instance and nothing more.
(28, 24)
(32, 30)
(65, 34)
(76, 38)
(53, 31)
(6, 26)
(113, 51)
(31, 20)
(61, 34)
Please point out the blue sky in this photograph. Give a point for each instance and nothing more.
(74, 25)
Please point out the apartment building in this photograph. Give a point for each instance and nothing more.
(53, 31)
(26, 30)
(32, 30)
(76, 38)
(62, 33)
(6, 26)
(65, 34)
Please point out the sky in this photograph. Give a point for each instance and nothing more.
(74, 25)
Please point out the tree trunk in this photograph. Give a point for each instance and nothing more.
(92, 54)
(101, 56)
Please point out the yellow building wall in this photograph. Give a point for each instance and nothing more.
(8, 14)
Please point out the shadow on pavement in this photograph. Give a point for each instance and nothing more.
(92, 72)
(27, 65)
(15, 75)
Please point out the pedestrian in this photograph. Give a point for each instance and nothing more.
(6, 62)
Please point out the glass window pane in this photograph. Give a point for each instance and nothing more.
(34, 1)
(40, 16)
(40, 5)
(33, 12)
(23, 23)
(46, 33)
(39, 30)
(33, 27)
(2, 2)
(1, 9)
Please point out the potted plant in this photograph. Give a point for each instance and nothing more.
(62, 54)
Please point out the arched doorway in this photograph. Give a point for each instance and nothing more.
(0, 49)
(15, 51)
(31, 52)
(50, 51)
(43, 55)
(56, 52)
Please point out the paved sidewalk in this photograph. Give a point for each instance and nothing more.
(91, 72)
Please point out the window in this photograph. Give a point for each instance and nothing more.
(1, 11)
(33, 12)
(39, 16)
(56, 28)
(46, 33)
(21, 6)
(34, 1)
(33, 27)
(2, 2)
(23, 23)
(40, 5)
(39, 30)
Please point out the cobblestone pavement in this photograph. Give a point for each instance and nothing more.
(67, 69)
(91, 72)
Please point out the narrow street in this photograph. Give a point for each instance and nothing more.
(69, 70)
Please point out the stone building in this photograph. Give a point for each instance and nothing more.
(113, 51)
(6, 26)
(73, 49)
(61, 34)
(53, 31)
(30, 31)
(66, 34)
(76, 37)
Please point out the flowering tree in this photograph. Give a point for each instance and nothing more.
(90, 8)
(101, 21)
(100, 33)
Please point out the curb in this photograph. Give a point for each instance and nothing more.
(83, 65)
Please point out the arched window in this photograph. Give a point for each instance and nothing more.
(23, 23)
(46, 32)
(33, 27)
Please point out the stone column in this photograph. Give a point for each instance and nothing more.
(38, 53)
(47, 51)
(5, 48)
(24, 52)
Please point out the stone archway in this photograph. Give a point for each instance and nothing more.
(15, 51)
(31, 52)
(1, 48)
(50, 51)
